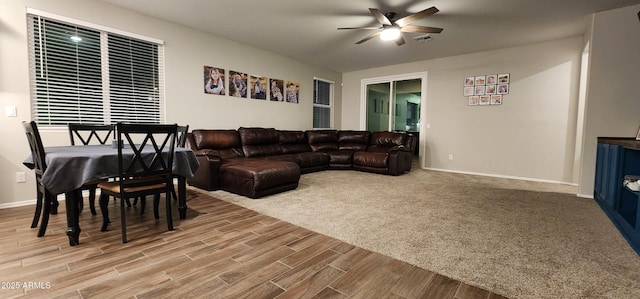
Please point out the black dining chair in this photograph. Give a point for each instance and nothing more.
(46, 202)
(181, 140)
(145, 165)
(88, 134)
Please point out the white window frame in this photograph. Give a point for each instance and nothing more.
(331, 100)
(104, 31)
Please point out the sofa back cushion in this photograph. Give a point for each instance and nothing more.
(353, 140)
(257, 142)
(323, 140)
(221, 143)
(293, 142)
(385, 141)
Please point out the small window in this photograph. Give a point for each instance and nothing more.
(322, 104)
(81, 74)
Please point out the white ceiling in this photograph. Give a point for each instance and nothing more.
(306, 30)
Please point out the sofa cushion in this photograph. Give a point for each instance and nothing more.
(370, 159)
(220, 143)
(353, 140)
(323, 140)
(257, 142)
(256, 177)
(292, 142)
(385, 141)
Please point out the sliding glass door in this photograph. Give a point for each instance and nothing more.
(394, 105)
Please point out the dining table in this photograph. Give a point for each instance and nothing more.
(70, 167)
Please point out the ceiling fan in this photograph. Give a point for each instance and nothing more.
(391, 29)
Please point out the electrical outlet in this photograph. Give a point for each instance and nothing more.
(21, 177)
(450, 157)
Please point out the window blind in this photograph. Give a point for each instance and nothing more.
(85, 75)
(322, 95)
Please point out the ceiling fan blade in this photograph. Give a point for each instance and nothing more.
(368, 38)
(400, 41)
(416, 16)
(422, 29)
(380, 16)
(366, 28)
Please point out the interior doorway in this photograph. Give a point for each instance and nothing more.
(395, 103)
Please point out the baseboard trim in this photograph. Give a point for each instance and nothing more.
(503, 176)
(29, 202)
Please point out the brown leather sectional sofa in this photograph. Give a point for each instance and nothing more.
(256, 162)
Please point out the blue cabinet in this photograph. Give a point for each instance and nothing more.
(616, 158)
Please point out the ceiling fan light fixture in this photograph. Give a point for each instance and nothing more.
(390, 33)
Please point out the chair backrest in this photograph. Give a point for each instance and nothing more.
(37, 149)
(181, 137)
(86, 132)
(153, 151)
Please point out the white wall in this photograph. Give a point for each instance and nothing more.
(186, 52)
(613, 100)
(531, 135)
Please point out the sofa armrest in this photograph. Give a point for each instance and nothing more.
(399, 161)
(207, 176)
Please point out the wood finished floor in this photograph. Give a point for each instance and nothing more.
(220, 251)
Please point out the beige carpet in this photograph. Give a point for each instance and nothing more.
(516, 238)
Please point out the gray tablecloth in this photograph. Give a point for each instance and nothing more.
(70, 167)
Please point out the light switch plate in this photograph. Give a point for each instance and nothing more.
(12, 111)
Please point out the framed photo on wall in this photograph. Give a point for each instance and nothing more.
(468, 91)
(275, 90)
(292, 90)
(503, 78)
(258, 87)
(468, 81)
(237, 84)
(213, 80)
(492, 79)
(496, 99)
(503, 88)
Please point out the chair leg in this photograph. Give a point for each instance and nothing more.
(36, 214)
(80, 204)
(92, 200)
(123, 221)
(47, 211)
(156, 203)
(54, 205)
(104, 202)
(168, 212)
(173, 192)
(128, 202)
(143, 203)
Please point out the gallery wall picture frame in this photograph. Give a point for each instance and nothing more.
(469, 81)
(503, 78)
(490, 89)
(237, 84)
(484, 100)
(503, 89)
(473, 100)
(275, 90)
(258, 88)
(292, 91)
(480, 80)
(496, 99)
(468, 91)
(492, 79)
(214, 80)
(479, 90)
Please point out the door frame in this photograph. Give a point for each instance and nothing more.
(423, 103)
